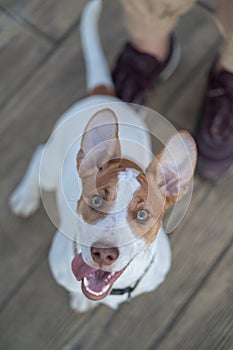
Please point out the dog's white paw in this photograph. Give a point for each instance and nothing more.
(80, 303)
(24, 201)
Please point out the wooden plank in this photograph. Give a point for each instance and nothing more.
(63, 76)
(207, 323)
(54, 17)
(23, 245)
(36, 313)
(21, 53)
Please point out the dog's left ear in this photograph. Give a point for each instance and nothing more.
(99, 144)
(174, 167)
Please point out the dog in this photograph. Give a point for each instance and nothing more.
(111, 191)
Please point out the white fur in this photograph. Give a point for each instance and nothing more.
(114, 230)
(160, 248)
(58, 172)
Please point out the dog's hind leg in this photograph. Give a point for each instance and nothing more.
(97, 70)
(26, 197)
(42, 173)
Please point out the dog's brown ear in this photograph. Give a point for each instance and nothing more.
(99, 144)
(174, 166)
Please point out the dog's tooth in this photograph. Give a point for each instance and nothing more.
(105, 289)
(85, 281)
(97, 293)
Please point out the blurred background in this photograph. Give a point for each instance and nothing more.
(41, 75)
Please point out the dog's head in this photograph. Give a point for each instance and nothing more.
(122, 204)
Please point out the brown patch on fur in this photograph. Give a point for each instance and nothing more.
(102, 90)
(104, 184)
(129, 164)
(149, 198)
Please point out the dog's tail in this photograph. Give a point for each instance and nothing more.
(97, 70)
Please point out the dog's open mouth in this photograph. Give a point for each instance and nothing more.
(96, 283)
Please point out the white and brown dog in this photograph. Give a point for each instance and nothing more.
(111, 192)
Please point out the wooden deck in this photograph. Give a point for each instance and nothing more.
(42, 74)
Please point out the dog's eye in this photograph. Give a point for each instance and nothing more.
(97, 201)
(142, 215)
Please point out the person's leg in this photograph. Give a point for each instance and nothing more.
(215, 131)
(149, 23)
(224, 14)
(151, 50)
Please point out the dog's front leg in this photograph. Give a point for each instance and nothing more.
(25, 199)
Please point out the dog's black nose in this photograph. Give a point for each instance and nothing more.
(104, 256)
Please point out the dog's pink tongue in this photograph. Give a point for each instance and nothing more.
(80, 268)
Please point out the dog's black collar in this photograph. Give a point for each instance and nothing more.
(129, 290)
(121, 291)
(126, 290)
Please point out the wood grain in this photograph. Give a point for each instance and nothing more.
(53, 18)
(207, 323)
(21, 52)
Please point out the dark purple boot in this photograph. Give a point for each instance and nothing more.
(136, 73)
(215, 130)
